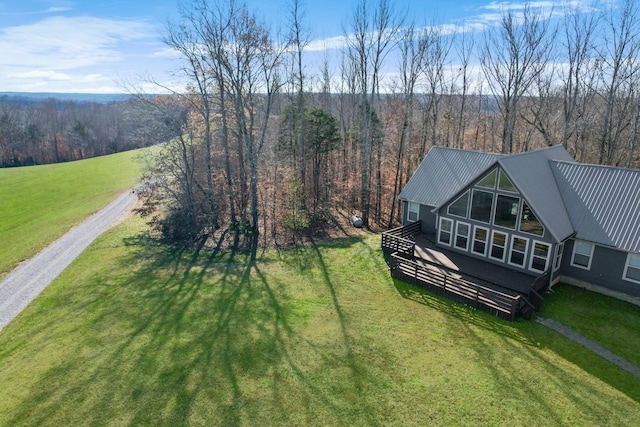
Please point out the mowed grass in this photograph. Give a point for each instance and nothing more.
(136, 333)
(612, 323)
(38, 204)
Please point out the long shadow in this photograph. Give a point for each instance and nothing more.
(532, 338)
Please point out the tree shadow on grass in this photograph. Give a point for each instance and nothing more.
(184, 337)
(529, 339)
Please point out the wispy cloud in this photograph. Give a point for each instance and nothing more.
(66, 49)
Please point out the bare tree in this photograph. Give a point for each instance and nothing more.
(618, 72)
(512, 57)
(579, 29)
(370, 37)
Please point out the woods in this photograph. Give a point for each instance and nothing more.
(41, 131)
(271, 138)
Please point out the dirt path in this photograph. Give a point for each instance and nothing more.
(24, 283)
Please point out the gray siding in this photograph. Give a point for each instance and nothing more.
(426, 215)
(607, 267)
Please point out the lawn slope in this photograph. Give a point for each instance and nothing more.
(41, 203)
(136, 333)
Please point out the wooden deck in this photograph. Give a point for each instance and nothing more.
(416, 259)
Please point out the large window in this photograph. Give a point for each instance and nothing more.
(460, 206)
(413, 211)
(444, 233)
(498, 245)
(489, 181)
(506, 211)
(582, 254)
(540, 257)
(481, 205)
(518, 251)
(505, 183)
(529, 222)
(632, 268)
(462, 235)
(480, 240)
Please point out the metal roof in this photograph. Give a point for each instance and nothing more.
(531, 173)
(443, 172)
(603, 203)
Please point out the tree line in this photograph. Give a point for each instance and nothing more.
(266, 147)
(42, 131)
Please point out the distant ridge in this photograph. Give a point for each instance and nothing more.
(103, 98)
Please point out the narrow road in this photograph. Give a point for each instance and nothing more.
(24, 283)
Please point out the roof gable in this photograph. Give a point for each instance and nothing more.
(603, 202)
(443, 173)
(531, 173)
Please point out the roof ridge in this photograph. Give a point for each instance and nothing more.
(582, 165)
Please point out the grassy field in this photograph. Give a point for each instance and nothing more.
(136, 333)
(40, 203)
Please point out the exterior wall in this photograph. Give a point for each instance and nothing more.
(604, 275)
(530, 238)
(428, 218)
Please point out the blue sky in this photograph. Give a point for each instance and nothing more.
(93, 46)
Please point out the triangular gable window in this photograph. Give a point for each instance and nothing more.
(529, 222)
(488, 181)
(460, 206)
(505, 183)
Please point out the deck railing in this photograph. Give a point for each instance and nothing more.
(405, 266)
(399, 239)
(440, 280)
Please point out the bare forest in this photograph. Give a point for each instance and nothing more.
(267, 146)
(37, 131)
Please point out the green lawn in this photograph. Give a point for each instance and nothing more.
(136, 333)
(38, 204)
(613, 323)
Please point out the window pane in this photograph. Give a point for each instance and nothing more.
(539, 264)
(540, 249)
(481, 204)
(498, 244)
(480, 240)
(634, 260)
(633, 273)
(505, 183)
(445, 224)
(519, 244)
(506, 211)
(581, 260)
(583, 248)
(460, 206)
(528, 221)
(488, 181)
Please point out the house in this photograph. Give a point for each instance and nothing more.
(535, 212)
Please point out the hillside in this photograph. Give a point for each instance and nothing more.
(40, 203)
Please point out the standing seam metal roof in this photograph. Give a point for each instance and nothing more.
(443, 172)
(603, 203)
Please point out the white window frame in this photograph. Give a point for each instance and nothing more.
(626, 268)
(557, 259)
(524, 254)
(468, 236)
(506, 240)
(486, 242)
(533, 255)
(573, 255)
(451, 233)
(410, 211)
(466, 215)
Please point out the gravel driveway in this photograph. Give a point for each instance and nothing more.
(24, 283)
